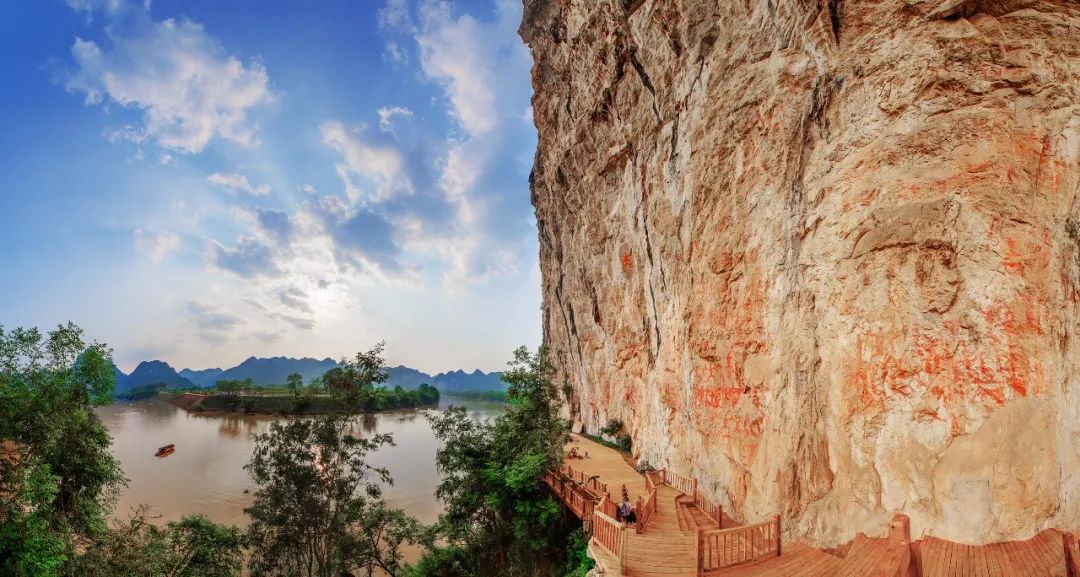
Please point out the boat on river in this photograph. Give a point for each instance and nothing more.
(165, 451)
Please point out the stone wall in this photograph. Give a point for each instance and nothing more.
(821, 254)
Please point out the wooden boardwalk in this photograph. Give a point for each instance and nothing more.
(682, 538)
(1043, 554)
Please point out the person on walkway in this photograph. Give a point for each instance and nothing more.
(626, 512)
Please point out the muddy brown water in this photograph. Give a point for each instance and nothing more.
(206, 475)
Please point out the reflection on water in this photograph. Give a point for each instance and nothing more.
(206, 475)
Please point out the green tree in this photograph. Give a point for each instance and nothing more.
(57, 477)
(355, 380)
(194, 546)
(497, 511)
(228, 385)
(295, 382)
(318, 510)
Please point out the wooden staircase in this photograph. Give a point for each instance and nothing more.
(691, 517)
(664, 548)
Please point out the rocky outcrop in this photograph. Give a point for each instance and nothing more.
(821, 254)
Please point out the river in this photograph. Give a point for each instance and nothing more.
(206, 475)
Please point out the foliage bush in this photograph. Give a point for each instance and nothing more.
(498, 518)
(58, 479)
(578, 562)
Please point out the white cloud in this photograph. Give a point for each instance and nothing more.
(380, 163)
(387, 114)
(238, 183)
(309, 189)
(394, 15)
(156, 245)
(453, 52)
(213, 325)
(188, 88)
(395, 54)
(90, 6)
(167, 159)
(126, 133)
(250, 258)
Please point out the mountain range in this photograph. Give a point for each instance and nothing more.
(274, 371)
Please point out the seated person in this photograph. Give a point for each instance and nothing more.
(626, 512)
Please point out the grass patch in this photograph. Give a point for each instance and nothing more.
(606, 443)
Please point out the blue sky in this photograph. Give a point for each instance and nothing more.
(201, 181)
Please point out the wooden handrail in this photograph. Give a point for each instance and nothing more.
(609, 534)
(679, 483)
(711, 508)
(645, 511)
(725, 547)
(607, 506)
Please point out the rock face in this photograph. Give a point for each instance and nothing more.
(821, 255)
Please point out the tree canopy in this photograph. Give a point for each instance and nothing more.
(499, 520)
(318, 509)
(58, 479)
(59, 475)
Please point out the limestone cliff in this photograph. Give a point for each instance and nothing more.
(821, 254)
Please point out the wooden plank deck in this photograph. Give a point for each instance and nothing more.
(1041, 556)
(668, 546)
(796, 560)
(609, 465)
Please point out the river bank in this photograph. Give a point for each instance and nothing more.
(226, 403)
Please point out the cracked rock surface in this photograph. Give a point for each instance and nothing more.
(821, 255)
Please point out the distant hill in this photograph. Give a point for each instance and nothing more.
(203, 378)
(475, 381)
(150, 373)
(408, 378)
(274, 370)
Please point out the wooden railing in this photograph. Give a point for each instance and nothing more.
(579, 501)
(711, 508)
(573, 474)
(725, 547)
(679, 483)
(646, 510)
(593, 485)
(609, 534)
(607, 507)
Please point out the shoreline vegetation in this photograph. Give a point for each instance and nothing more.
(317, 509)
(277, 403)
(278, 400)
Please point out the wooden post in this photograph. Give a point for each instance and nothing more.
(1072, 555)
(697, 551)
(900, 541)
(778, 538)
(622, 549)
(693, 491)
(719, 516)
